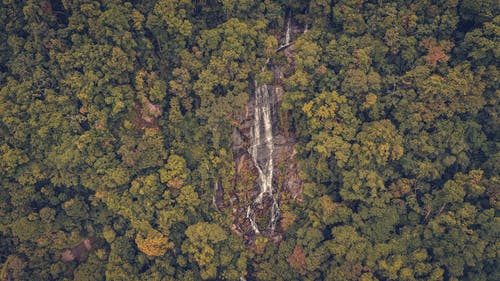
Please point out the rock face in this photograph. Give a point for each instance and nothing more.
(266, 171)
(79, 252)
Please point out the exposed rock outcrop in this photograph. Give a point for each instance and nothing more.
(79, 252)
(267, 174)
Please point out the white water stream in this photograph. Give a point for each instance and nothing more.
(262, 146)
(214, 197)
(261, 150)
(288, 28)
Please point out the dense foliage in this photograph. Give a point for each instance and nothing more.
(116, 118)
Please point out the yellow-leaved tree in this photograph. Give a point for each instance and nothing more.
(153, 244)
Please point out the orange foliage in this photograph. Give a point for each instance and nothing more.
(175, 183)
(154, 246)
(298, 259)
(437, 50)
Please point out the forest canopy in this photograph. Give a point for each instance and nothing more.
(128, 132)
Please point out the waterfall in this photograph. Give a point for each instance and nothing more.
(288, 27)
(306, 27)
(262, 145)
(274, 215)
(261, 150)
(250, 217)
(214, 197)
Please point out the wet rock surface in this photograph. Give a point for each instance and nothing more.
(267, 174)
(257, 211)
(266, 171)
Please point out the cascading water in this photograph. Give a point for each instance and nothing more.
(250, 217)
(288, 28)
(261, 150)
(214, 197)
(262, 145)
